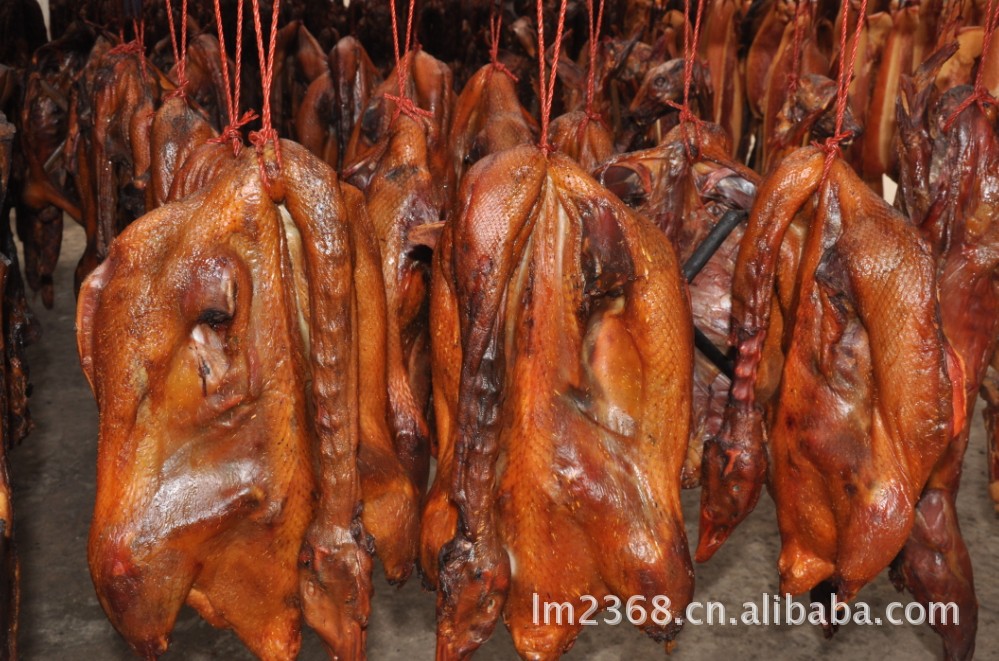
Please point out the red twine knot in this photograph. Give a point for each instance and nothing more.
(232, 134)
(832, 150)
(177, 93)
(128, 48)
(405, 105)
(499, 66)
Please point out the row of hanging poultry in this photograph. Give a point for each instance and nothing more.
(292, 334)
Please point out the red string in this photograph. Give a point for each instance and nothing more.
(403, 104)
(547, 90)
(135, 47)
(980, 96)
(267, 133)
(231, 133)
(793, 76)
(179, 54)
(831, 145)
(690, 42)
(591, 79)
(495, 23)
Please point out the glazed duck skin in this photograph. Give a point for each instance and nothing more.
(488, 118)
(198, 336)
(558, 296)
(866, 399)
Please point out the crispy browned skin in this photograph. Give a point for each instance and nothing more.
(201, 168)
(488, 120)
(198, 336)
(550, 298)
(299, 60)
(951, 196)
(339, 90)
(759, 58)
(866, 400)
(686, 196)
(873, 34)
(177, 131)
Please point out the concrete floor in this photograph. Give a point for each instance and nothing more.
(53, 475)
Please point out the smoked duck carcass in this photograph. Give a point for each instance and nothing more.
(114, 109)
(692, 189)
(335, 100)
(222, 340)
(583, 137)
(398, 155)
(551, 300)
(948, 158)
(48, 188)
(859, 398)
(488, 120)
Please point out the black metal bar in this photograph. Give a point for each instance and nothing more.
(712, 242)
(693, 266)
(714, 354)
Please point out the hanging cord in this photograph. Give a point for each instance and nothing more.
(846, 64)
(135, 47)
(495, 24)
(137, 44)
(267, 132)
(794, 75)
(690, 42)
(980, 96)
(403, 104)
(546, 90)
(179, 54)
(231, 133)
(595, 22)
